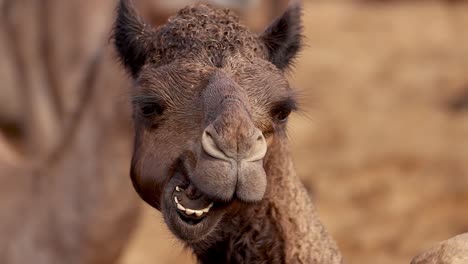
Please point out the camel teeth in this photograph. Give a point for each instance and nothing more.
(207, 209)
(198, 213)
(180, 207)
(177, 188)
(189, 211)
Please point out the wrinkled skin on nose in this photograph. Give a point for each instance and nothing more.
(230, 159)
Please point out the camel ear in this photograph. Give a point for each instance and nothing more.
(133, 38)
(283, 37)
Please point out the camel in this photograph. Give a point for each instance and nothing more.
(211, 104)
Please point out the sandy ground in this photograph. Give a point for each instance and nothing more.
(382, 141)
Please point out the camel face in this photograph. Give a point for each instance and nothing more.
(201, 139)
(209, 97)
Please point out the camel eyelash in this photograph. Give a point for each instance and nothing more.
(151, 109)
(281, 110)
(148, 106)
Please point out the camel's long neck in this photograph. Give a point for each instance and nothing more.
(306, 240)
(284, 228)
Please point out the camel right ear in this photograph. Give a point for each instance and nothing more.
(283, 38)
(133, 38)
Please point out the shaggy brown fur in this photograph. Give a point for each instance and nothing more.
(201, 29)
(196, 31)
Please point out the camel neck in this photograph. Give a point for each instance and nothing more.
(283, 228)
(305, 238)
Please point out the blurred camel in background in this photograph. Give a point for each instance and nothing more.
(65, 196)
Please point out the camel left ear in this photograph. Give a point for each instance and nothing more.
(133, 39)
(283, 37)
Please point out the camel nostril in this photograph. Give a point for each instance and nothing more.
(210, 146)
(258, 149)
(208, 134)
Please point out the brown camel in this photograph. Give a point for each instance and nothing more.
(211, 103)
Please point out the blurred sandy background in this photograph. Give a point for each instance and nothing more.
(382, 138)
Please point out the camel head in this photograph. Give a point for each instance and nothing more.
(209, 99)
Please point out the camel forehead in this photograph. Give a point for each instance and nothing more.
(202, 30)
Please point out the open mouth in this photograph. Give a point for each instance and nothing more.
(191, 205)
(190, 214)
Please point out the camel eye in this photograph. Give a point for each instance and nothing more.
(283, 114)
(151, 109)
(282, 110)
